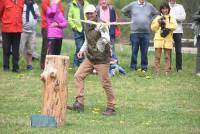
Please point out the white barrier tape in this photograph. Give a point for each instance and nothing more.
(107, 23)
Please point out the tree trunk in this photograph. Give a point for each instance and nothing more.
(54, 79)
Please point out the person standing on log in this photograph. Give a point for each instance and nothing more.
(98, 53)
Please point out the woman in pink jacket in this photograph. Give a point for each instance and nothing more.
(56, 24)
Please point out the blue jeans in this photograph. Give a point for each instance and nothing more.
(114, 68)
(114, 56)
(139, 40)
(79, 40)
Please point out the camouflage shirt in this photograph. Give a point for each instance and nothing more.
(94, 54)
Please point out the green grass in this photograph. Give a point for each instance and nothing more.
(156, 105)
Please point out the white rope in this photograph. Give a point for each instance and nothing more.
(107, 23)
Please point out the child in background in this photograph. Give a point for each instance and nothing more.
(56, 24)
(115, 68)
(28, 36)
(163, 26)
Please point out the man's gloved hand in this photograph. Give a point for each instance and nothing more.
(101, 27)
(101, 44)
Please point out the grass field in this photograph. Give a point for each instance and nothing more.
(159, 104)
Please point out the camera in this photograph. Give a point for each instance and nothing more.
(162, 22)
(164, 31)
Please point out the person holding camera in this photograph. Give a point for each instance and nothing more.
(163, 26)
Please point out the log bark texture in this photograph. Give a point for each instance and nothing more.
(55, 89)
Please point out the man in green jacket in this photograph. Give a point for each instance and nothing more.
(76, 12)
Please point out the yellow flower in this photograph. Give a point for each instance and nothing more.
(121, 122)
(147, 77)
(95, 112)
(20, 76)
(96, 109)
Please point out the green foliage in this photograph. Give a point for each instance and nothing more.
(157, 104)
(189, 5)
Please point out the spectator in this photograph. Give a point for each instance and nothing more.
(0, 34)
(11, 31)
(163, 26)
(179, 14)
(28, 37)
(107, 13)
(141, 13)
(196, 27)
(76, 11)
(115, 68)
(56, 24)
(96, 59)
(45, 5)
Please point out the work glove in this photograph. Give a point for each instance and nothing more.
(101, 27)
(101, 44)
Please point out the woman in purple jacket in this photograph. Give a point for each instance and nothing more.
(56, 24)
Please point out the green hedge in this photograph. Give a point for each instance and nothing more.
(189, 5)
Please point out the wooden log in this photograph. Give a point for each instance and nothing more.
(54, 78)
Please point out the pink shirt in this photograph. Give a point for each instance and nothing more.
(105, 14)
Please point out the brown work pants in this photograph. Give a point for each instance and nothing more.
(102, 70)
(158, 52)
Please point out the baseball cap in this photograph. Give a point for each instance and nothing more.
(89, 9)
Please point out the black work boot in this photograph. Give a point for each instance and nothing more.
(16, 70)
(109, 112)
(76, 107)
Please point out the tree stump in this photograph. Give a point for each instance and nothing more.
(55, 89)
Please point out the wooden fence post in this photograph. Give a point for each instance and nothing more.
(55, 89)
